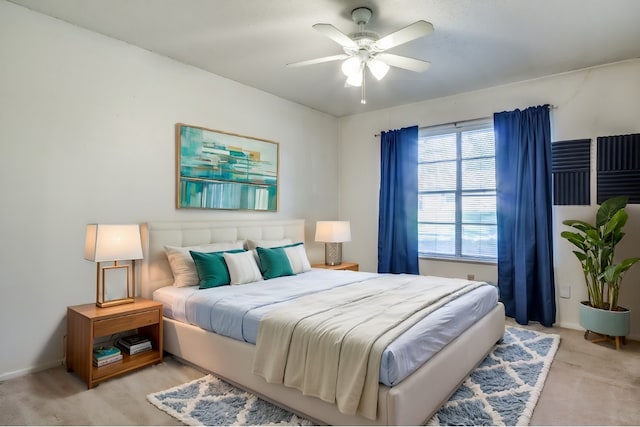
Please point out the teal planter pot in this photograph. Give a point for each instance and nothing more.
(605, 322)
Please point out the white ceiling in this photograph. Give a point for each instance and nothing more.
(476, 43)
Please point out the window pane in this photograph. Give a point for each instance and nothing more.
(479, 208)
(479, 241)
(448, 194)
(437, 176)
(437, 239)
(479, 174)
(439, 207)
(434, 148)
(478, 143)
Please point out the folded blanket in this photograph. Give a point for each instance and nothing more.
(329, 344)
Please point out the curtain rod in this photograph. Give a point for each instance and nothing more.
(454, 124)
(460, 122)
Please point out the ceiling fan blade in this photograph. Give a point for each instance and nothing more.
(410, 32)
(405, 62)
(336, 35)
(319, 60)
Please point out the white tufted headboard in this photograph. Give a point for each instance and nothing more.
(155, 271)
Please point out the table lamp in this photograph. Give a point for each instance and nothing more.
(113, 243)
(333, 233)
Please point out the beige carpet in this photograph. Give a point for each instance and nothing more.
(56, 397)
(588, 384)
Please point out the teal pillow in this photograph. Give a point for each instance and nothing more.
(212, 269)
(274, 262)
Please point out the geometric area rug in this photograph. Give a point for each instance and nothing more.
(502, 390)
(210, 401)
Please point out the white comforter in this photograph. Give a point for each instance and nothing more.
(345, 330)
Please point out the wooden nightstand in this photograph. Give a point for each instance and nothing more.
(344, 266)
(87, 322)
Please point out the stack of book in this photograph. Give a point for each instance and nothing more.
(134, 344)
(105, 355)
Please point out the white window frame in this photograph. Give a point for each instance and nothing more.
(458, 129)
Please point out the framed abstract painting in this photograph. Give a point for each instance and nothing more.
(220, 170)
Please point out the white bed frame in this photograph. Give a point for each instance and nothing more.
(412, 402)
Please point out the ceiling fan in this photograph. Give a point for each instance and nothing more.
(365, 49)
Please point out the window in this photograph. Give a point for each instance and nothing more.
(457, 192)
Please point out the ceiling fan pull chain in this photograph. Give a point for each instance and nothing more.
(363, 100)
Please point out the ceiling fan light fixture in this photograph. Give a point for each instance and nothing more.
(378, 68)
(351, 66)
(355, 79)
(365, 49)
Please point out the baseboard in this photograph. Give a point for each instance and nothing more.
(569, 325)
(15, 374)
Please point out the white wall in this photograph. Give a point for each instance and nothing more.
(590, 103)
(87, 135)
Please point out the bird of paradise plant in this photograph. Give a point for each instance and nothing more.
(596, 249)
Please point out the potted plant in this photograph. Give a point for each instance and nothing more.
(596, 246)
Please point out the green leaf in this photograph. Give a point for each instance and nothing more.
(613, 273)
(615, 223)
(628, 263)
(571, 234)
(575, 238)
(593, 236)
(580, 255)
(608, 208)
(578, 225)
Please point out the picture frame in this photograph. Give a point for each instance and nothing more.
(221, 170)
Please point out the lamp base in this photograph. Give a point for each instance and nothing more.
(101, 284)
(113, 302)
(333, 253)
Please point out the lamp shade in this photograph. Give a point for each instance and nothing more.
(333, 231)
(355, 80)
(378, 68)
(108, 242)
(352, 66)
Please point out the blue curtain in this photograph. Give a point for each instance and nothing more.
(398, 212)
(525, 240)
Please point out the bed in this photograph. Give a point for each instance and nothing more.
(410, 398)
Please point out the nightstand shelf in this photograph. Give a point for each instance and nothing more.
(344, 266)
(87, 322)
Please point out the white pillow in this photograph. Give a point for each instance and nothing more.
(252, 244)
(298, 258)
(242, 267)
(181, 263)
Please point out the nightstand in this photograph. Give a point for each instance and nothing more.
(87, 322)
(344, 266)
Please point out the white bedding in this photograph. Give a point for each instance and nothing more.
(240, 308)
